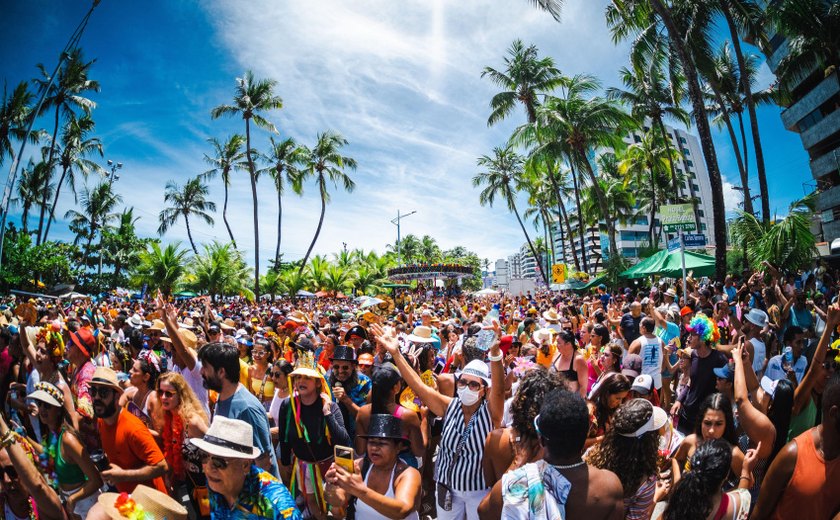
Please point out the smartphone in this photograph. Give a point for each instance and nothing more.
(344, 457)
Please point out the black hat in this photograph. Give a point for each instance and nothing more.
(385, 426)
(303, 343)
(356, 331)
(344, 353)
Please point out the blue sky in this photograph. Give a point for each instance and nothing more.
(400, 80)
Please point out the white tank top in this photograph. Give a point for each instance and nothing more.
(651, 352)
(365, 512)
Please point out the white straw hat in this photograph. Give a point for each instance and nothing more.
(229, 438)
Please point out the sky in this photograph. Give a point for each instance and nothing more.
(401, 81)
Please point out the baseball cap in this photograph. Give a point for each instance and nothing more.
(643, 384)
(632, 365)
(725, 372)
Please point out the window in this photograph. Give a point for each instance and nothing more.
(692, 176)
(702, 227)
(686, 151)
(695, 187)
(682, 140)
(701, 213)
(689, 163)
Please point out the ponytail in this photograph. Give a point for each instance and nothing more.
(692, 497)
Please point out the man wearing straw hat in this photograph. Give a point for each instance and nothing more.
(238, 487)
(143, 502)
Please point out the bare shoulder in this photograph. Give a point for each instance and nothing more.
(606, 482)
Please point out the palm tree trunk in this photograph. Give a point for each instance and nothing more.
(320, 223)
(47, 179)
(675, 184)
(528, 239)
(279, 230)
(189, 233)
(569, 236)
(55, 201)
(224, 217)
(745, 152)
(745, 180)
(562, 208)
(551, 237)
(602, 203)
(24, 219)
(705, 133)
(256, 215)
(747, 91)
(87, 245)
(653, 240)
(580, 219)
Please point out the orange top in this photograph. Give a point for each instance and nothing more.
(130, 445)
(807, 494)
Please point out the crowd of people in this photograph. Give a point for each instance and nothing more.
(636, 403)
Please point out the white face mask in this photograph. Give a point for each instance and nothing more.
(467, 396)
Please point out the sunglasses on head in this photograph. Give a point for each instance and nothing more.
(100, 391)
(217, 462)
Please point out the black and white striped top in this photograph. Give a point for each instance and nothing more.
(466, 474)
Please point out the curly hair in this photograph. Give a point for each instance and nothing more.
(532, 389)
(692, 496)
(632, 459)
(705, 328)
(189, 406)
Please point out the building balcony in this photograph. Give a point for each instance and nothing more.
(826, 163)
(828, 199)
(816, 97)
(821, 131)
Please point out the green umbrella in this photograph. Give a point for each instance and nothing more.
(186, 294)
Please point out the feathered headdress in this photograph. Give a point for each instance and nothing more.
(705, 328)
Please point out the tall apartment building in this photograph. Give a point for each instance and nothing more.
(528, 265)
(632, 236)
(814, 114)
(502, 275)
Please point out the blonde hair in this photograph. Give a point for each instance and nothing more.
(189, 407)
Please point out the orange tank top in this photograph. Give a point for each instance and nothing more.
(807, 494)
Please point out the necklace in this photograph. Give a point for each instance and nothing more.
(569, 466)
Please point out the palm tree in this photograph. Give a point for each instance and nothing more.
(65, 95)
(325, 163)
(161, 268)
(429, 250)
(219, 270)
(252, 97)
(649, 95)
(628, 17)
(525, 78)
(293, 281)
(646, 164)
(185, 202)
(344, 258)
(227, 156)
(317, 272)
(540, 197)
(408, 248)
(368, 279)
(14, 117)
(122, 247)
(76, 146)
(504, 172)
(338, 279)
(788, 241)
(272, 283)
(584, 124)
(284, 157)
(29, 188)
(97, 207)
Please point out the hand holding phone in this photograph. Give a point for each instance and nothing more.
(344, 457)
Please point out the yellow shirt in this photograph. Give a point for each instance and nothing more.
(545, 360)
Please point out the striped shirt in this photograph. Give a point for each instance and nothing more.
(466, 474)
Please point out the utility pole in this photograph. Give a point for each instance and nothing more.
(396, 222)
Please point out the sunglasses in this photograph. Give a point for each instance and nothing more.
(217, 462)
(277, 374)
(10, 472)
(166, 393)
(475, 386)
(100, 391)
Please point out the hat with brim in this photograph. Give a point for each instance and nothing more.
(477, 368)
(757, 317)
(544, 335)
(154, 503)
(306, 372)
(769, 385)
(672, 293)
(725, 372)
(228, 438)
(356, 331)
(421, 334)
(643, 384)
(551, 315)
(344, 353)
(384, 426)
(297, 317)
(632, 365)
(228, 324)
(657, 419)
(84, 340)
(104, 376)
(157, 325)
(47, 393)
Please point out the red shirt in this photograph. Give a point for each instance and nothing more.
(129, 444)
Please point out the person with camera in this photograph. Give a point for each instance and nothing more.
(381, 486)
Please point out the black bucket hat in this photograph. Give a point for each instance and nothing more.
(344, 353)
(358, 330)
(385, 426)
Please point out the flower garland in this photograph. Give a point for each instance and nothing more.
(53, 339)
(46, 460)
(130, 509)
(173, 437)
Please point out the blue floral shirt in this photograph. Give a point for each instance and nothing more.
(262, 497)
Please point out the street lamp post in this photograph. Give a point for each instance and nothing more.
(111, 178)
(396, 222)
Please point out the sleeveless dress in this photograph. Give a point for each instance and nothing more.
(365, 512)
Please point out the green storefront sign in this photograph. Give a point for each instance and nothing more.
(677, 217)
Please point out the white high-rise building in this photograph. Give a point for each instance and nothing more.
(502, 277)
(631, 237)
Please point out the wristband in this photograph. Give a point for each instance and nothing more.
(492, 358)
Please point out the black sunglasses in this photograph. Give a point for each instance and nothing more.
(277, 374)
(101, 391)
(475, 386)
(217, 462)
